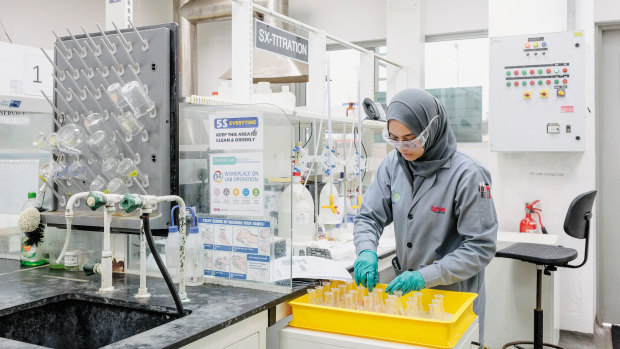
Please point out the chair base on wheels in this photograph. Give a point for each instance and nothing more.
(517, 345)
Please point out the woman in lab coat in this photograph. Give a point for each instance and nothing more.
(439, 200)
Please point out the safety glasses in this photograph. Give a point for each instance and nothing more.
(411, 144)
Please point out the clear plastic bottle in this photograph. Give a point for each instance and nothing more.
(302, 214)
(31, 255)
(194, 259)
(172, 252)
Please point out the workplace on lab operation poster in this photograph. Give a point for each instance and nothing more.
(236, 184)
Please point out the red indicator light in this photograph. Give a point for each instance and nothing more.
(548, 71)
(532, 82)
(565, 70)
(564, 81)
(516, 72)
(548, 82)
(527, 45)
(532, 71)
(516, 83)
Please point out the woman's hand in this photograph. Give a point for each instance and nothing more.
(406, 282)
(366, 269)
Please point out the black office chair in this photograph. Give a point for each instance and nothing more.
(548, 258)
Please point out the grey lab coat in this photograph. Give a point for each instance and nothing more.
(447, 231)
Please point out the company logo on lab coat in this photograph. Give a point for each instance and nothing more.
(396, 196)
(436, 209)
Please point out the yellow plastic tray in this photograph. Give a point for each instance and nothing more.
(395, 328)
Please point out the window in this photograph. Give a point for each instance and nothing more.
(457, 73)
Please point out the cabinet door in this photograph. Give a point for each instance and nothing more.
(249, 342)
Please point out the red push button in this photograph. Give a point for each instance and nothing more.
(527, 45)
(548, 70)
(565, 70)
(548, 82)
(564, 81)
(516, 72)
(531, 82)
(516, 83)
(532, 71)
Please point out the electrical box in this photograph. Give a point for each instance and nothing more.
(537, 93)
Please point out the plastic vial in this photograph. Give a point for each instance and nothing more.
(319, 295)
(195, 258)
(101, 144)
(311, 296)
(137, 98)
(129, 124)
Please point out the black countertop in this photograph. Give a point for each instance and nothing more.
(213, 307)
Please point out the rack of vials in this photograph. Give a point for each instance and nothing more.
(116, 114)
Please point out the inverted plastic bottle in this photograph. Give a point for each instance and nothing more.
(172, 248)
(302, 214)
(195, 256)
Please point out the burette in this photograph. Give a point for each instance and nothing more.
(329, 135)
(359, 149)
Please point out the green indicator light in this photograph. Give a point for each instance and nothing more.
(540, 82)
(507, 84)
(539, 71)
(556, 81)
(523, 83)
(507, 73)
(524, 72)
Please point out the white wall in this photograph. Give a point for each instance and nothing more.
(351, 20)
(449, 16)
(214, 54)
(554, 178)
(30, 22)
(606, 10)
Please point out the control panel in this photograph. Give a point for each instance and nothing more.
(537, 93)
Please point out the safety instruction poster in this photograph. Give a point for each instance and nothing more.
(236, 249)
(236, 131)
(236, 187)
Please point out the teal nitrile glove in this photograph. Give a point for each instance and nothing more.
(407, 282)
(366, 269)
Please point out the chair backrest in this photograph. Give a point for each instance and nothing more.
(579, 212)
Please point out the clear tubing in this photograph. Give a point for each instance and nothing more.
(76, 74)
(91, 72)
(62, 72)
(121, 37)
(71, 110)
(107, 43)
(145, 44)
(97, 94)
(77, 44)
(69, 53)
(55, 110)
(98, 47)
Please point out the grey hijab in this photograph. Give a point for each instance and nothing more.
(415, 108)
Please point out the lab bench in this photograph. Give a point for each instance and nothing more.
(221, 316)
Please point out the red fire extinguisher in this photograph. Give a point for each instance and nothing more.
(528, 224)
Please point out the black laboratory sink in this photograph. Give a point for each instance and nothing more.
(80, 321)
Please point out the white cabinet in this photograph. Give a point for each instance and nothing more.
(246, 334)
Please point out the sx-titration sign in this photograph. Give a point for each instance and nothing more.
(236, 249)
(234, 131)
(236, 187)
